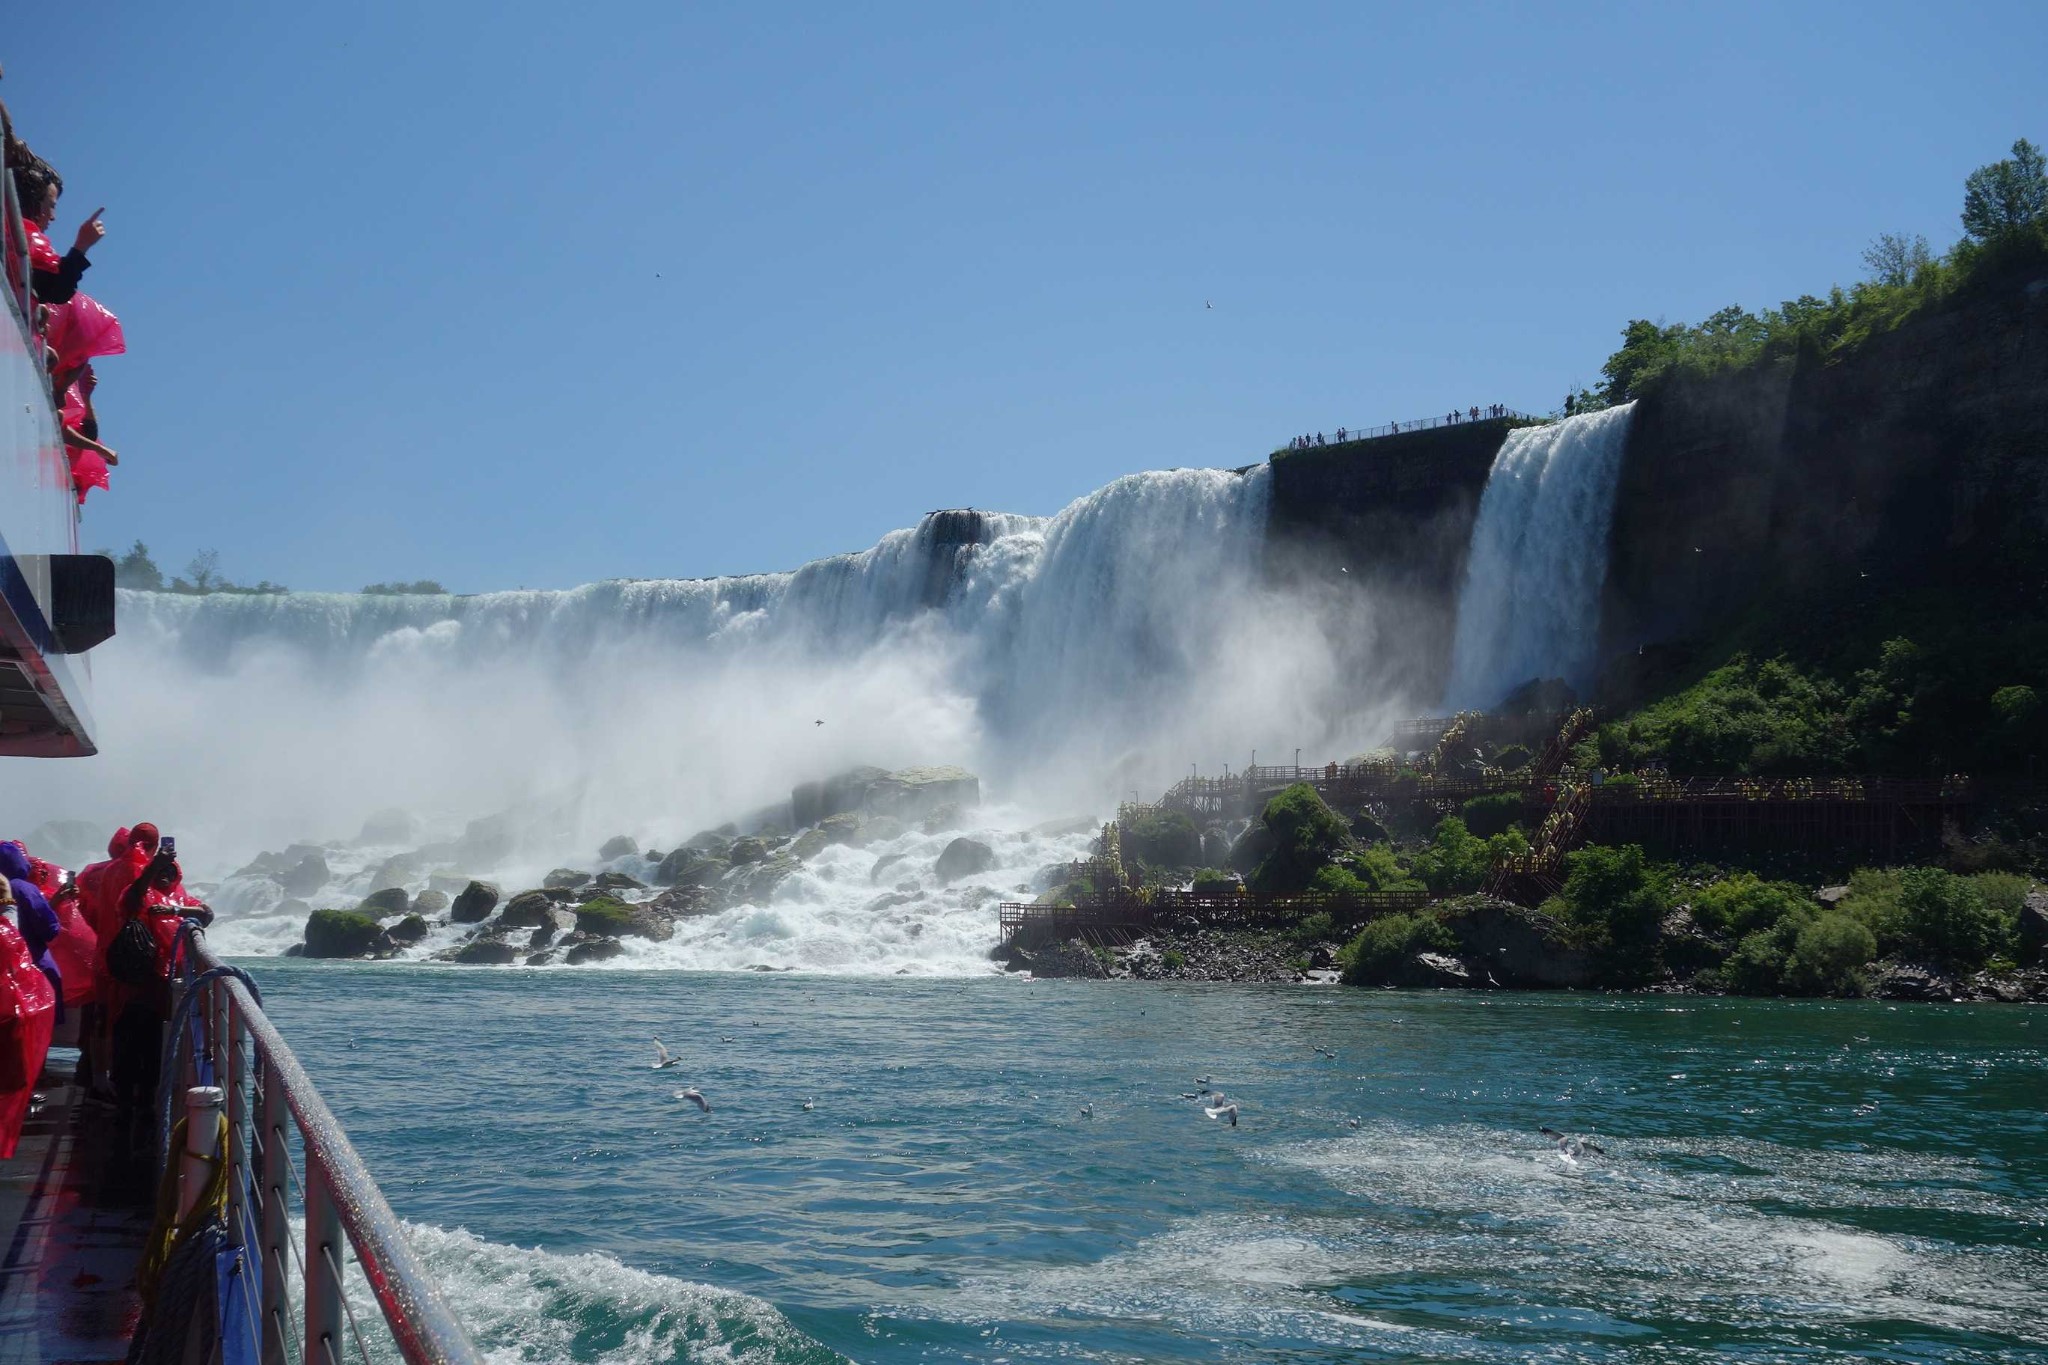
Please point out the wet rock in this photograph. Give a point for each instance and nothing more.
(1437, 969)
(879, 829)
(748, 850)
(544, 958)
(594, 950)
(485, 952)
(1515, 945)
(430, 902)
(833, 829)
(391, 900)
(564, 879)
(888, 900)
(618, 846)
(755, 884)
(541, 937)
(914, 793)
(883, 864)
(944, 818)
(687, 902)
(964, 858)
(473, 905)
(344, 933)
(811, 802)
(528, 910)
(397, 870)
(712, 840)
(305, 877)
(617, 881)
(1913, 981)
(616, 919)
(409, 930)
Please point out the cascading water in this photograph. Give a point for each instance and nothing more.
(1530, 604)
(1069, 660)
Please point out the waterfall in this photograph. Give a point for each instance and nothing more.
(1530, 603)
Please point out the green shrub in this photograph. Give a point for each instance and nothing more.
(1306, 834)
(1156, 836)
(1173, 959)
(1317, 928)
(1829, 954)
(1873, 901)
(1743, 717)
(1757, 966)
(1486, 816)
(1456, 860)
(1744, 903)
(1210, 882)
(1946, 917)
(1613, 896)
(2004, 892)
(1389, 941)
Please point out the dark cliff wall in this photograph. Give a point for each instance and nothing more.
(1921, 457)
(1381, 528)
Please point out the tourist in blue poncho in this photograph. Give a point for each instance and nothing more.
(38, 922)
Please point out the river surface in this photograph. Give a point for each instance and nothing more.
(1782, 1181)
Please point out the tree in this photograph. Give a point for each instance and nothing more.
(203, 573)
(1895, 258)
(137, 570)
(2006, 196)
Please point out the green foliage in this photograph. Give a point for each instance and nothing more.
(1489, 815)
(1307, 835)
(604, 915)
(203, 577)
(2004, 892)
(1173, 959)
(1389, 941)
(2006, 197)
(1743, 717)
(1612, 896)
(1210, 882)
(419, 587)
(341, 933)
(1808, 952)
(1317, 928)
(1155, 836)
(1894, 259)
(1744, 903)
(1947, 919)
(1456, 860)
(137, 570)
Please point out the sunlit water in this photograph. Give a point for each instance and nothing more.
(1782, 1181)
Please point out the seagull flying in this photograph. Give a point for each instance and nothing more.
(1208, 305)
(662, 1061)
(696, 1097)
(1571, 1147)
(1223, 1111)
(817, 722)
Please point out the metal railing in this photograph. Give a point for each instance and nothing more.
(270, 1105)
(1344, 436)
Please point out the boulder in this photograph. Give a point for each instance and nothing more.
(687, 902)
(1251, 849)
(344, 933)
(485, 952)
(411, 929)
(694, 869)
(808, 845)
(712, 840)
(390, 900)
(1831, 895)
(430, 902)
(1515, 945)
(617, 881)
(964, 858)
(397, 870)
(833, 829)
(528, 910)
(618, 846)
(883, 864)
(305, 877)
(595, 950)
(879, 829)
(748, 850)
(755, 883)
(389, 827)
(564, 879)
(486, 841)
(944, 818)
(1435, 969)
(447, 883)
(473, 905)
(541, 937)
(615, 919)
(914, 793)
(810, 802)
(889, 900)
(2033, 934)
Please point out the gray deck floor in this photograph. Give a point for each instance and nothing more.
(73, 1215)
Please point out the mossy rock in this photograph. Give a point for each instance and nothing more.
(473, 905)
(528, 910)
(430, 902)
(596, 950)
(411, 929)
(608, 918)
(391, 900)
(617, 881)
(750, 850)
(618, 846)
(344, 933)
(485, 952)
(564, 879)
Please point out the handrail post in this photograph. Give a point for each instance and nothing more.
(276, 1229)
(234, 1077)
(323, 1268)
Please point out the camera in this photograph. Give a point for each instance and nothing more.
(168, 845)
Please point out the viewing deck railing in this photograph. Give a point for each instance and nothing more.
(226, 1041)
(1344, 436)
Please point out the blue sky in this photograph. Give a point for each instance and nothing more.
(523, 295)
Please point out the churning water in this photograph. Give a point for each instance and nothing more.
(1530, 607)
(1783, 1181)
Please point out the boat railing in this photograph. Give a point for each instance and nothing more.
(272, 1108)
(14, 248)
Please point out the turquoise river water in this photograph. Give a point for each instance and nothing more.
(1782, 1181)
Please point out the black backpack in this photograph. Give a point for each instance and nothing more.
(132, 956)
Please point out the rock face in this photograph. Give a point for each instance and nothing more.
(389, 827)
(344, 933)
(1516, 945)
(964, 858)
(616, 919)
(528, 910)
(594, 950)
(618, 846)
(749, 850)
(811, 802)
(2034, 928)
(306, 876)
(473, 905)
(411, 929)
(564, 879)
(914, 793)
(430, 902)
(392, 900)
(688, 867)
(617, 881)
(485, 952)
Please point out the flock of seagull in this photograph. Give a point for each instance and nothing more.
(1571, 1148)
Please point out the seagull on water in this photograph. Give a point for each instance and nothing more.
(1352, 1122)
(1571, 1147)
(725, 1038)
(808, 1106)
(662, 1060)
(696, 1097)
(1087, 1111)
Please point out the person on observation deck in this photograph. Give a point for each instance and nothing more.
(55, 278)
(157, 899)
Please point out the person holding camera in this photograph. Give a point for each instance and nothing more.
(139, 961)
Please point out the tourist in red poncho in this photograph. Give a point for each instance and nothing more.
(156, 898)
(28, 1010)
(101, 888)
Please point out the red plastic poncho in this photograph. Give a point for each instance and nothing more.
(28, 1011)
(41, 255)
(88, 467)
(82, 330)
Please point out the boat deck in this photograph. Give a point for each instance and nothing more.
(74, 1211)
